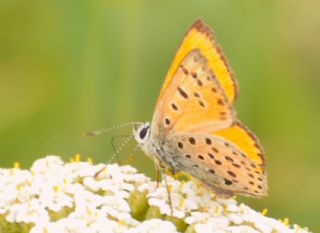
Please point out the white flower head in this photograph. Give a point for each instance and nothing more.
(54, 196)
(28, 212)
(154, 226)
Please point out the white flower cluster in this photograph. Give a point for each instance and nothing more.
(54, 196)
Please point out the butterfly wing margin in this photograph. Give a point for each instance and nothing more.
(243, 138)
(199, 36)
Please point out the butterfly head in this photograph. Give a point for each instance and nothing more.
(141, 132)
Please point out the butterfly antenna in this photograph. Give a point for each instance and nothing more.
(131, 155)
(114, 147)
(118, 150)
(106, 130)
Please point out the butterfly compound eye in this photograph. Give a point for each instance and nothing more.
(143, 132)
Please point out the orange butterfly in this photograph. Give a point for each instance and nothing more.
(194, 127)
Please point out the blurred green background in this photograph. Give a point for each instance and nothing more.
(71, 66)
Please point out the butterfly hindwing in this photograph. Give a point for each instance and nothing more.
(218, 163)
(194, 100)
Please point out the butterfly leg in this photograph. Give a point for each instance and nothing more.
(158, 167)
(158, 174)
(168, 190)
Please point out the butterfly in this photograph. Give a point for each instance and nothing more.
(194, 129)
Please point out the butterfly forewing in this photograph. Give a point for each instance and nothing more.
(194, 100)
(199, 36)
(218, 163)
